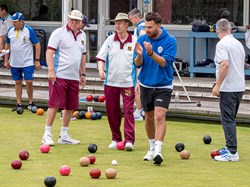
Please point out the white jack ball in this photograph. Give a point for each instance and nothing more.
(114, 162)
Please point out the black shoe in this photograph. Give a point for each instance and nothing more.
(158, 159)
(31, 105)
(15, 107)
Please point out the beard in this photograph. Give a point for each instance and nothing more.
(153, 34)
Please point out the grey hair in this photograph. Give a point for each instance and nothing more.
(136, 12)
(223, 25)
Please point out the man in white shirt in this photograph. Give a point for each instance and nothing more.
(21, 40)
(119, 80)
(230, 85)
(66, 57)
(83, 24)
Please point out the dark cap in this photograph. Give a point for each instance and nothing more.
(85, 21)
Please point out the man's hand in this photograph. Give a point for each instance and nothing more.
(138, 49)
(7, 65)
(82, 82)
(102, 74)
(216, 90)
(148, 47)
(52, 76)
(37, 65)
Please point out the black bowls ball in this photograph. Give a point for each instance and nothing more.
(207, 139)
(50, 181)
(92, 148)
(179, 147)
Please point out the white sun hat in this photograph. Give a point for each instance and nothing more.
(75, 14)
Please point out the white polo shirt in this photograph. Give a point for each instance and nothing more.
(21, 46)
(120, 70)
(229, 48)
(5, 24)
(68, 52)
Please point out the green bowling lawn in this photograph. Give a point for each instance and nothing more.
(24, 132)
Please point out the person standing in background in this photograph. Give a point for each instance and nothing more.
(229, 86)
(154, 55)
(20, 40)
(119, 79)
(136, 17)
(5, 24)
(66, 58)
(85, 22)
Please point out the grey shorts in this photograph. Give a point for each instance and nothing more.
(152, 97)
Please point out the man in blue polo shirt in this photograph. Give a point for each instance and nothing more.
(20, 40)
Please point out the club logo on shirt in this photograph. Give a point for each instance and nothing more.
(24, 39)
(128, 92)
(129, 48)
(82, 41)
(160, 49)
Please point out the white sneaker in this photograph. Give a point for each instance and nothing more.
(138, 118)
(73, 118)
(67, 140)
(149, 156)
(112, 145)
(158, 159)
(137, 115)
(223, 150)
(47, 139)
(129, 146)
(227, 157)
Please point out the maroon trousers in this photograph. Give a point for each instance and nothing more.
(114, 113)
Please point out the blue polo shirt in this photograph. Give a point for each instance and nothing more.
(21, 46)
